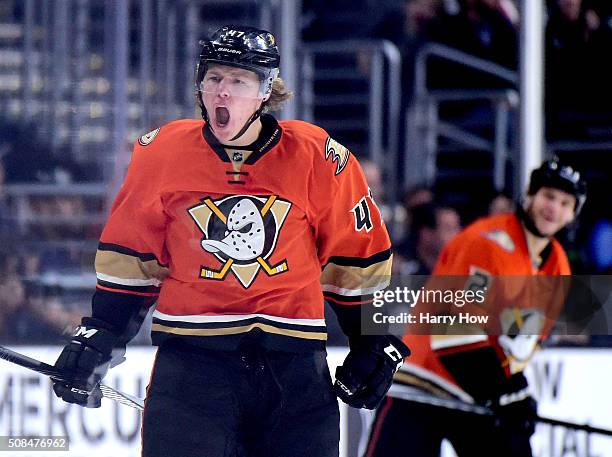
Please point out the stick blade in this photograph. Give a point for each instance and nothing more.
(121, 397)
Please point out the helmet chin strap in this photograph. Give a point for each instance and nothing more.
(526, 219)
(248, 123)
(202, 107)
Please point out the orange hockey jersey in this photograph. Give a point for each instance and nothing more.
(243, 241)
(491, 249)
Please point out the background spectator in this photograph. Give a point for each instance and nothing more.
(480, 28)
(407, 26)
(432, 227)
(500, 204)
(577, 74)
(27, 314)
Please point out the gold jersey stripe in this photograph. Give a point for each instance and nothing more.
(125, 266)
(402, 377)
(346, 277)
(236, 330)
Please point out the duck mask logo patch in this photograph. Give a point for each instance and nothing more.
(241, 231)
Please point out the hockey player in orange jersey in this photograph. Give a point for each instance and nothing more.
(483, 367)
(238, 225)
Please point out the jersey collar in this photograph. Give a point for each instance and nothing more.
(522, 216)
(269, 137)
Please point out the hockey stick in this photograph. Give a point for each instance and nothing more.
(49, 370)
(412, 395)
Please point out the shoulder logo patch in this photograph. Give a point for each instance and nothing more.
(338, 154)
(502, 238)
(147, 138)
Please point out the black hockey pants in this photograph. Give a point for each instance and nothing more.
(244, 403)
(406, 429)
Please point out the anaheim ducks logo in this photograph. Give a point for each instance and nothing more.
(147, 138)
(241, 231)
(338, 154)
(502, 238)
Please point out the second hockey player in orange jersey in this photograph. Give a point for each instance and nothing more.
(504, 254)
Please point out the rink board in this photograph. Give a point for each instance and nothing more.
(572, 384)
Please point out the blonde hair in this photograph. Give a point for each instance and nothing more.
(279, 95)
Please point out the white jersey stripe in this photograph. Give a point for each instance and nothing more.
(355, 292)
(459, 340)
(208, 319)
(128, 282)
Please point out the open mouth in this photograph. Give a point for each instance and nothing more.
(222, 116)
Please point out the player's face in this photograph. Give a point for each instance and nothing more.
(571, 8)
(231, 95)
(448, 224)
(551, 210)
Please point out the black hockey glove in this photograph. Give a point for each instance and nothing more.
(84, 362)
(364, 378)
(516, 409)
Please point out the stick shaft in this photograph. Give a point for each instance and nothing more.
(27, 362)
(49, 370)
(459, 405)
(583, 427)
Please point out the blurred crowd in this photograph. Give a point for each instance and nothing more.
(578, 37)
(48, 239)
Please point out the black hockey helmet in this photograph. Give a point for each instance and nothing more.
(563, 177)
(243, 47)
